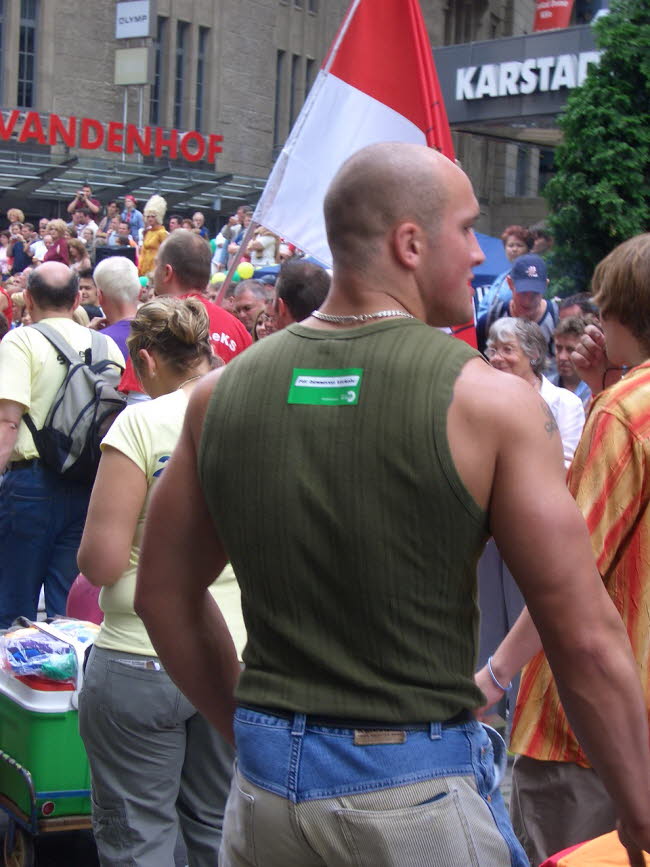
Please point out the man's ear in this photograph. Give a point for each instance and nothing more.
(407, 243)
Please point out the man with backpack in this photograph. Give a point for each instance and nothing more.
(45, 491)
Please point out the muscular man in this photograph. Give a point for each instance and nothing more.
(300, 288)
(355, 733)
(560, 794)
(41, 514)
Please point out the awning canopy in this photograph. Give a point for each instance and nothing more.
(28, 180)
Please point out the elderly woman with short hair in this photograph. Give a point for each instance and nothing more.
(518, 346)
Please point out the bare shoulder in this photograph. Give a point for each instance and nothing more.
(497, 400)
(497, 421)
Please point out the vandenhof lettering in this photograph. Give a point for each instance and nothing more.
(118, 138)
(515, 77)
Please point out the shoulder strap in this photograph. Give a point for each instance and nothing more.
(58, 341)
(98, 343)
(98, 346)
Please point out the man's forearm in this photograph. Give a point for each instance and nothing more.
(204, 663)
(8, 436)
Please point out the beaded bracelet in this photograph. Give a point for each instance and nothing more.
(494, 680)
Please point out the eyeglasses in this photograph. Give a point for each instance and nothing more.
(506, 351)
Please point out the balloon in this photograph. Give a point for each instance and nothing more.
(144, 282)
(218, 277)
(245, 270)
(236, 277)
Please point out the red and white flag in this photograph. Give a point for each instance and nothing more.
(377, 84)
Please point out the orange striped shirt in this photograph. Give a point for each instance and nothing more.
(610, 480)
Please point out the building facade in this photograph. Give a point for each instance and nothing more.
(239, 69)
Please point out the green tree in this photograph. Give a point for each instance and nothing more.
(600, 194)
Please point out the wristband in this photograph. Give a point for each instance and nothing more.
(494, 680)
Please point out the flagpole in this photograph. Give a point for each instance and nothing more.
(326, 67)
(235, 261)
(340, 35)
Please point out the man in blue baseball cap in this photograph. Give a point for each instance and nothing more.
(528, 281)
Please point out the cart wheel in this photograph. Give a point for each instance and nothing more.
(22, 853)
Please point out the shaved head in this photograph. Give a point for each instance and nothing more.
(377, 188)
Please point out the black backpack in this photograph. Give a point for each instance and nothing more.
(84, 408)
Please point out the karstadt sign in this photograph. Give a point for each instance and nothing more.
(518, 77)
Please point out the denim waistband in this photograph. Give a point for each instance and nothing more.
(302, 761)
(463, 716)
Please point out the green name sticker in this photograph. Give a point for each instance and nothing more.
(325, 387)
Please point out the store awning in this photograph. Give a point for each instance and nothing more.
(37, 177)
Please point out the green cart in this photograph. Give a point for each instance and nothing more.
(44, 775)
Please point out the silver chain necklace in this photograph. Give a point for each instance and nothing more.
(361, 317)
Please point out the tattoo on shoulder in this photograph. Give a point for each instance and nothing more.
(550, 425)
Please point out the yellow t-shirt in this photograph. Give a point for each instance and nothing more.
(147, 434)
(31, 373)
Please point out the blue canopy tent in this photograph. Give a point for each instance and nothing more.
(496, 262)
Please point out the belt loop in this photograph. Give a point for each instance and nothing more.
(297, 732)
(435, 731)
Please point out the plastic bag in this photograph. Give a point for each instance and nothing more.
(28, 651)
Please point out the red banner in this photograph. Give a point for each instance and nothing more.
(551, 14)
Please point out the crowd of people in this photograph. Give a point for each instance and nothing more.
(349, 440)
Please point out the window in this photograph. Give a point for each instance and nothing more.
(27, 53)
(182, 28)
(298, 4)
(279, 76)
(156, 90)
(546, 167)
(200, 75)
(293, 93)
(310, 69)
(313, 6)
(523, 167)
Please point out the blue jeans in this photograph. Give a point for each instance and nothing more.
(41, 522)
(306, 794)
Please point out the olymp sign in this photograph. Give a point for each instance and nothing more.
(514, 77)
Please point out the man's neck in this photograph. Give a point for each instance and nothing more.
(570, 382)
(39, 315)
(118, 312)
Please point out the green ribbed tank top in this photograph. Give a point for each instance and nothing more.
(351, 534)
